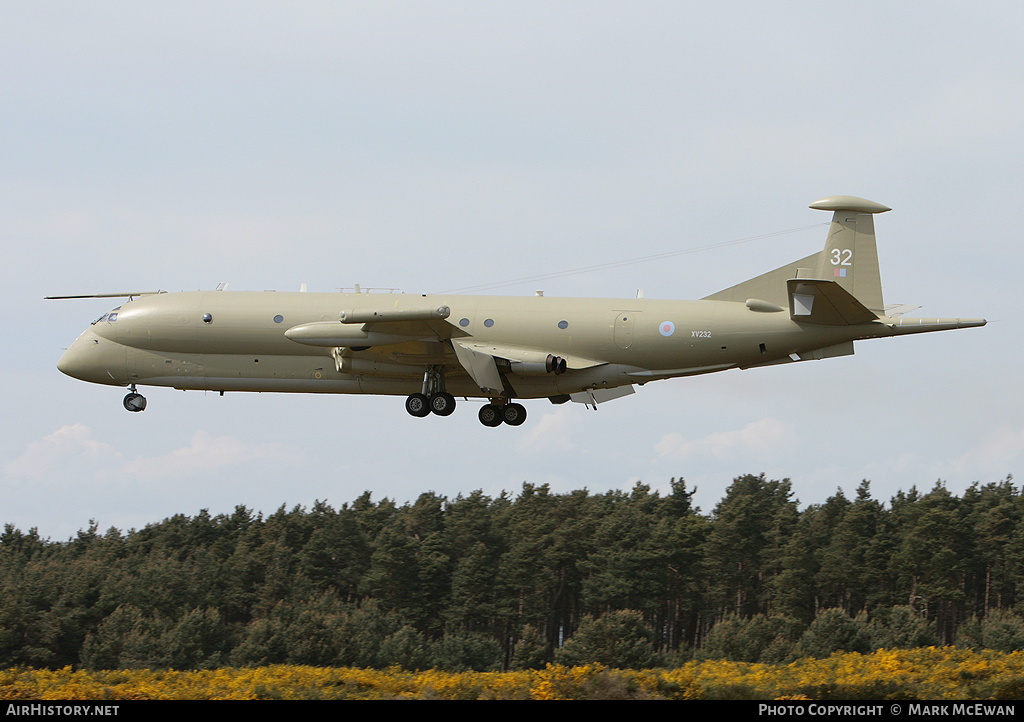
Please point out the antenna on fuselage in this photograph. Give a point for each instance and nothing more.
(129, 295)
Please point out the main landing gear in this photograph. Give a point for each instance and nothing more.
(440, 403)
(443, 404)
(495, 414)
(134, 401)
(434, 399)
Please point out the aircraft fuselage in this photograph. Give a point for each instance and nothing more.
(235, 341)
(500, 348)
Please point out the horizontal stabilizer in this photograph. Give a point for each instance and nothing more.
(901, 326)
(825, 303)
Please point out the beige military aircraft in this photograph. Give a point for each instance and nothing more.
(431, 349)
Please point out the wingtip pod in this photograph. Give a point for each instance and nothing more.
(849, 203)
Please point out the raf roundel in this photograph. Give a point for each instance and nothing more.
(667, 328)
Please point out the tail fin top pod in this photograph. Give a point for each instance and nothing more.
(849, 258)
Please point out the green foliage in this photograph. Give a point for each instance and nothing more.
(531, 651)
(467, 652)
(622, 578)
(755, 639)
(834, 631)
(618, 639)
(749, 530)
(1001, 630)
(901, 628)
(406, 648)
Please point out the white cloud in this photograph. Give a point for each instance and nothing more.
(995, 455)
(552, 431)
(70, 448)
(204, 453)
(72, 453)
(757, 438)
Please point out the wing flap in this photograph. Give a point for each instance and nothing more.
(524, 354)
(480, 366)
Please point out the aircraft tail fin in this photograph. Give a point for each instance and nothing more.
(849, 258)
(771, 286)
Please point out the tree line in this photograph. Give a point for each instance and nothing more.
(516, 581)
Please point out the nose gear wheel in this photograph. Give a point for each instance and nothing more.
(134, 401)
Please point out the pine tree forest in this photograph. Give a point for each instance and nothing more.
(628, 579)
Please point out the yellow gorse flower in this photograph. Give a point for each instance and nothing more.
(925, 673)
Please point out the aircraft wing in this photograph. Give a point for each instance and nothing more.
(482, 360)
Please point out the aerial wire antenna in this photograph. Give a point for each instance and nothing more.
(627, 262)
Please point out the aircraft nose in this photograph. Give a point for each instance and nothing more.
(74, 361)
(94, 359)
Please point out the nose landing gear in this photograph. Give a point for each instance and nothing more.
(134, 401)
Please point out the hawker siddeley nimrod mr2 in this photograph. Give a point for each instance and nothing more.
(431, 349)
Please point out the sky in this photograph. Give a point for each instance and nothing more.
(432, 146)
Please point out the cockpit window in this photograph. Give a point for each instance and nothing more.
(109, 317)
